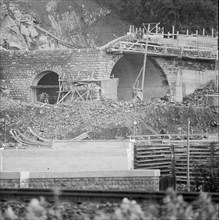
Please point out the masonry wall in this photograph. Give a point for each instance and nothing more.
(147, 180)
(20, 68)
(186, 75)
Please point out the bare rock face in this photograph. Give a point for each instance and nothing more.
(28, 24)
(10, 32)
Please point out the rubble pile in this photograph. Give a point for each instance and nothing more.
(104, 119)
(198, 97)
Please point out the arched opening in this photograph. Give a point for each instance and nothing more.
(46, 82)
(127, 70)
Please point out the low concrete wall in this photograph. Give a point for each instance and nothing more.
(70, 157)
(147, 180)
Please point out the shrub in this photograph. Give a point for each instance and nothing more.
(172, 208)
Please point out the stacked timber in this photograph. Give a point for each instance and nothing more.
(172, 160)
(153, 157)
(199, 156)
(25, 141)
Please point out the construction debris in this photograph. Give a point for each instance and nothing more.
(37, 141)
(25, 141)
(199, 96)
(104, 119)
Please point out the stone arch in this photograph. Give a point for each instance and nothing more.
(108, 61)
(127, 69)
(48, 82)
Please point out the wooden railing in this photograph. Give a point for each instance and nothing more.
(163, 50)
(168, 139)
(158, 30)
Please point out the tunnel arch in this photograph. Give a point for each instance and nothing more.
(127, 69)
(47, 82)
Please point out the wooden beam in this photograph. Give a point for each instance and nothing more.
(45, 87)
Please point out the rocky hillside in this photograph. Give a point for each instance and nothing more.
(40, 24)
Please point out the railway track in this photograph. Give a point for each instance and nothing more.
(7, 194)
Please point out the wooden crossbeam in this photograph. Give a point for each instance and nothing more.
(45, 87)
(64, 97)
(83, 95)
(163, 50)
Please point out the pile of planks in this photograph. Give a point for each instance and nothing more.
(200, 155)
(25, 141)
(172, 159)
(153, 157)
(37, 141)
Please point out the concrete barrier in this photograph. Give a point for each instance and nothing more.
(70, 157)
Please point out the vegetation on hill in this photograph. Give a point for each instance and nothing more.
(91, 23)
(184, 14)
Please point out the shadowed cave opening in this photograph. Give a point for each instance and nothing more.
(47, 82)
(127, 70)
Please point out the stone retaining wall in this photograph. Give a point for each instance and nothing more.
(20, 68)
(147, 180)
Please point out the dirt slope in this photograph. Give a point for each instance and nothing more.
(107, 120)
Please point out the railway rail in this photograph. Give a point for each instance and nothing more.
(8, 194)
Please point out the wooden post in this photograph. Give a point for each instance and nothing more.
(203, 32)
(145, 61)
(188, 156)
(130, 29)
(187, 32)
(1, 160)
(212, 160)
(156, 28)
(173, 31)
(5, 139)
(173, 163)
(212, 32)
(135, 123)
(216, 71)
(196, 32)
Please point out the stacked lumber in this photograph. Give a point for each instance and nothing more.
(153, 157)
(171, 159)
(26, 141)
(207, 156)
(37, 141)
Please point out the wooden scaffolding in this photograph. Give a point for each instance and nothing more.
(78, 89)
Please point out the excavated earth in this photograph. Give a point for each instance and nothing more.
(104, 119)
(85, 24)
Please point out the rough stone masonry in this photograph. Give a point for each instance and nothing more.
(20, 69)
